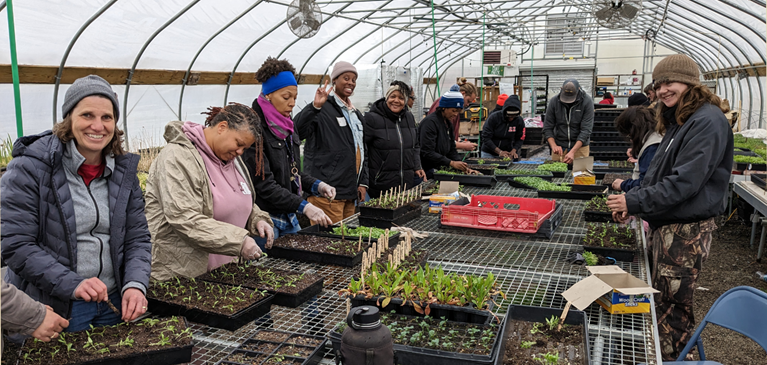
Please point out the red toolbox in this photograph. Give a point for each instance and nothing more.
(525, 215)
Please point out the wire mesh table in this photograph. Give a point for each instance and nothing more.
(530, 271)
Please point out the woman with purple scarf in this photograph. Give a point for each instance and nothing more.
(281, 183)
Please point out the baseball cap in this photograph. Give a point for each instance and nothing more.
(569, 91)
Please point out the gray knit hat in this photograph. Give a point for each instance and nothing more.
(676, 68)
(85, 87)
(341, 67)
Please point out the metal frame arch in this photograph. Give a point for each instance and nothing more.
(342, 33)
(441, 42)
(69, 49)
(2, 5)
(445, 68)
(199, 51)
(138, 57)
(744, 10)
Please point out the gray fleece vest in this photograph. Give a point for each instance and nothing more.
(91, 205)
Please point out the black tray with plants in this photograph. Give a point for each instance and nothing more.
(608, 178)
(149, 341)
(430, 340)
(572, 191)
(429, 187)
(501, 163)
(749, 163)
(506, 175)
(614, 166)
(611, 240)
(216, 305)
(277, 347)
(413, 213)
(558, 169)
(531, 150)
(534, 337)
(351, 232)
(392, 204)
(484, 169)
(464, 179)
(596, 210)
(290, 288)
(316, 249)
(426, 292)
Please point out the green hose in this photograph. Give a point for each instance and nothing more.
(15, 69)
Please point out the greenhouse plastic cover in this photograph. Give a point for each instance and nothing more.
(717, 34)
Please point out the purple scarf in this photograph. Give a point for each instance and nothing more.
(279, 124)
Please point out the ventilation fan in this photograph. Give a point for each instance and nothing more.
(615, 14)
(304, 18)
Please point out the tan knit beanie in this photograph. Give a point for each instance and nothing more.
(676, 68)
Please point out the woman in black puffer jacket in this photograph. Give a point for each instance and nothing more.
(391, 142)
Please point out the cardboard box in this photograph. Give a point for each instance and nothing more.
(617, 291)
(583, 171)
(606, 81)
(468, 128)
(448, 192)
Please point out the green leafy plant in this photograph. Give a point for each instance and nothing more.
(590, 258)
(480, 162)
(522, 172)
(554, 166)
(541, 184)
(749, 159)
(549, 358)
(527, 344)
(552, 322)
(6, 149)
(597, 204)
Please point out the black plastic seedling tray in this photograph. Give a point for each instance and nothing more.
(548, 177)
(471, 180)
(494, 161)
(388, 214)
(295, 300)
(759, 180)
(540, 314)
(743, 152)
(598, 216)
(314, 358)
(579, 192)
(558, 174)
(520, 185)
(531, 150)
(414, 213)
(316, 257)
(619, 254)
(486, 169)
(750, 166)
(229, 322)
(317, 230)
(450, 312)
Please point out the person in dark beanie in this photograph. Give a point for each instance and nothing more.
(682, 192)
(638, 99)
(436, 135)
(335, 147)
(74, 232)
(502, 132)
(391, 140)
(568, 124)
(499, 104)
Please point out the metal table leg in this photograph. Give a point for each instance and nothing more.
(761, 242)
(754, 219)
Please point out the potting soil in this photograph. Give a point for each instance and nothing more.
(567, 344)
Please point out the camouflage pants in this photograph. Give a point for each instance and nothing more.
(678, 252)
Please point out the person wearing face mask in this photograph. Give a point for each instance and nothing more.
(200, 198)
(279, 186)
(503, 130)
(682, 192)
(391, 140)
(569, 121)
(335, 147)
(436, 135)
(470, 95)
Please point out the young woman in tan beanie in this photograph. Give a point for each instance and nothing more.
(682, 192)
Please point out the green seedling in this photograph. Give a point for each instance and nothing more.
(527, 344)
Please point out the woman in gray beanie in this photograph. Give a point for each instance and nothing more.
(74, 234)
(335, 147)
(682, 191)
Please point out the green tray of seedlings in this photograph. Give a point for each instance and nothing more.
(596, 210)
(749, 163)
(615, 166)
(611, 240)
(558, 169)
(149, 341)
(502, 163)
(506, 175)
(351, 232)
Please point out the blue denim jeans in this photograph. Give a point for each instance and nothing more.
(85, 313)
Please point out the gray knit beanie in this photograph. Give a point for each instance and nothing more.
(676, 68)
(341, 67)
(85, 87)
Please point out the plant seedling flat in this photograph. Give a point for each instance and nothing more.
(323, 250)
(611, 240)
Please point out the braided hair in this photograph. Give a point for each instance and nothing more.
(239, 117)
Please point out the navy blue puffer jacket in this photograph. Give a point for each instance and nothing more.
(39, 237)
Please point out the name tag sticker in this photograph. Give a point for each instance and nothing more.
(341, 121)
(245, 190)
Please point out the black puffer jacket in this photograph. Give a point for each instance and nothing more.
(500, 133)
(275, 193)
(437, 142)
(392, 146)
(329, 153)
(688, 177)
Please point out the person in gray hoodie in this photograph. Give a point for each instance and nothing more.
(74, 234)
(568, 123)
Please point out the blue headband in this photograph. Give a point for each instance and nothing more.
(276, 82)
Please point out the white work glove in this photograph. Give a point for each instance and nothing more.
(250, 250)
(409, 231)
(327, 191)
(317, 215)
(265, 231)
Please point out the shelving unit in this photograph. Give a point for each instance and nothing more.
(620, 85)
(537, 105)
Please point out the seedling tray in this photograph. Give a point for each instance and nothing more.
(598, 216)
(322, 258)
(450, 312)
(619, 254)
(743, 152)
(511, 177)
(539, 315)
(229, 322)
(388, 214)
(317, 230)
(606, 136)
(530, 150)
(608, 170)
(746, 166)
(248, 350)
(471, 180)
(494, 161)
(579, 192)
(486, 169)
(759, 180)
(414, 213)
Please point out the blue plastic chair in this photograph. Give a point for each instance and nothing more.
(742, 309)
